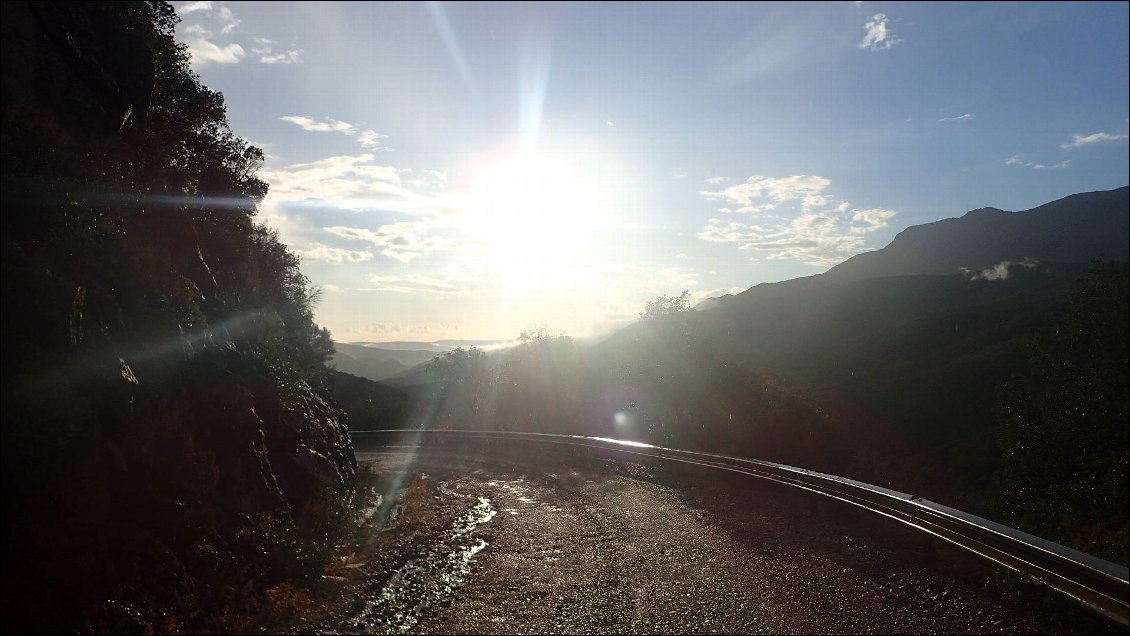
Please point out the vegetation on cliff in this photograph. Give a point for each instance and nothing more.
(171, 455)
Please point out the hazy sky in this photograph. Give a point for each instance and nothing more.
(470, 170)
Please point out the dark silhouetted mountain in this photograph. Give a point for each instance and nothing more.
(911, 344)
(1075, 229)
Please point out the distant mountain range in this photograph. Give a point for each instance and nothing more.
(390, 361)
(437, 346)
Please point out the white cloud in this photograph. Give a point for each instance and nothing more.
(429, 178)
(414, 284)
(357, 184)
(1078, 141)
(330, 287)
(965, 117)
(205, 52)
(1002, 270)
(308, 123)
(291, 56)
(869, 220)
(715, 180)
(228, 23)
(403, 241)
(348, 182)
(367, 138)
(1016, 160)
(337, 255)
(761, 194)
(878, 37)
(200, 41)
(189, 7)
(807, 224)
(265, 49)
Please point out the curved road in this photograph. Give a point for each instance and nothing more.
(530, 544)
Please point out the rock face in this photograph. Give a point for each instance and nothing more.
(170, 446)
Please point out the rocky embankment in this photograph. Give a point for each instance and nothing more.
(171, 458)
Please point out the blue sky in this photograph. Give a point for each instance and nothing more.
(470, 170)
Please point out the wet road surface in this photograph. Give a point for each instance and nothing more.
(530, 545)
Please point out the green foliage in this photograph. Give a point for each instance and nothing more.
(1064, 430)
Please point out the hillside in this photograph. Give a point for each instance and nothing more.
(171, 452)
(376, 363)
(904, 358)
(1074, 229)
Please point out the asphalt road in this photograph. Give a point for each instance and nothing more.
(536, 545)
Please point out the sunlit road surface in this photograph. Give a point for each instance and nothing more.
(533, 546)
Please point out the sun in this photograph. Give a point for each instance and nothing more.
(536, 214)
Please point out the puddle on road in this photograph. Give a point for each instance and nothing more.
(518, 488)
(367, 513)
(430, 580)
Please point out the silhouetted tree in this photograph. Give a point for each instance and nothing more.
(665, 306)
(460, 387)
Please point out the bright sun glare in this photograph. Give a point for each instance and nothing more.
(536, 214)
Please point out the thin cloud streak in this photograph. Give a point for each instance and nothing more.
(1079, 141)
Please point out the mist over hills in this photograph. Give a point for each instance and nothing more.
(392, 362)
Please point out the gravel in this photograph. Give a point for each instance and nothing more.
(576, 545)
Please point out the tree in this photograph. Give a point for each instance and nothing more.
(461, 379)
(665, 306)
(1064, 434)
(538, 384)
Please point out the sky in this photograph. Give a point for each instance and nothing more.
(472, 170)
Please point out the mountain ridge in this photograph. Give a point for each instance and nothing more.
(984, 237)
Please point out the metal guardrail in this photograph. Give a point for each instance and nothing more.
(1097, 584)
